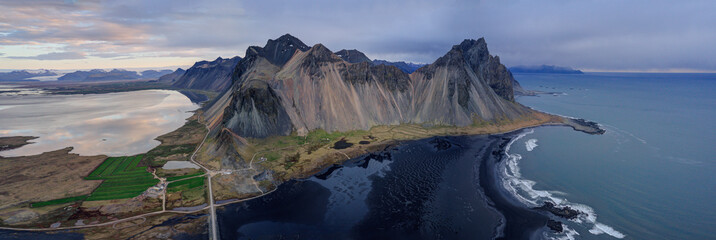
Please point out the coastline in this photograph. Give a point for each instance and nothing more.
(13, 142)
(512, 210)
(519, 222)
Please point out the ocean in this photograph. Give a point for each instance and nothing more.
(650, 176)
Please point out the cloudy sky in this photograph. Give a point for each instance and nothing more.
(593, 35)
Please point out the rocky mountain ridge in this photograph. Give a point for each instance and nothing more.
(173, 76)
(276, 93)
(205, 75)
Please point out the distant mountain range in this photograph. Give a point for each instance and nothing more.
(24, 75)
(544, 69)
(114, 74)
(403, 66)
(355, 56)
(152, 74)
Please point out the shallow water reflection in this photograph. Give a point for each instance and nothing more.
(114, 124)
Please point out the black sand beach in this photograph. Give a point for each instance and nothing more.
(424, 189)
(520, 221)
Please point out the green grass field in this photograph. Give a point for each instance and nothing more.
(58, 201)
(186, 184)
(174, 178)
(122, 178)
(163, 151)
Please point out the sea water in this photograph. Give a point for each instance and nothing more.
(114, 124)
(652, 175)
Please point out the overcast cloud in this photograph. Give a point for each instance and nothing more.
(589, 34)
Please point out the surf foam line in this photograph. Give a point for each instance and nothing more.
(522, 189)
(531, 144)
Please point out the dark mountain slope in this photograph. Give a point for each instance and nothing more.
(171, 77)
(352, 56)
(204, 75)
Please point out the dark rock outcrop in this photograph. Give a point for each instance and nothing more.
(555, 226)
(585, 126)
(204, 75)
(257, 112)
(564, 212)
(352, 56)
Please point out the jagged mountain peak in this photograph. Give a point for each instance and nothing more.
(352, 56)
(280, 50)
(288, 39)
(475, 55)
(319, 52)
(474, 51)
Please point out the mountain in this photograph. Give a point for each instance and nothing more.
(519, 91)
(205, 75)
(355, 56)
(173, 76)
(405, 67)
(100, 75)
(313, 88)
(545, 69)
(153, 74)
(352, 56)
(24, 75)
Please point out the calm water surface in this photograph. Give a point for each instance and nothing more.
(114, 124)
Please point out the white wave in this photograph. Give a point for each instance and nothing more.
(523, 190)
(567, 233)
(600, 228)
(531, 144)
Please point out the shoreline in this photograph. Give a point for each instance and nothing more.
(511, 211)
(519, 222)
(516, 220)
(13, 142)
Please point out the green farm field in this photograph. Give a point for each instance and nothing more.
(122, 178)
(186, 184)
